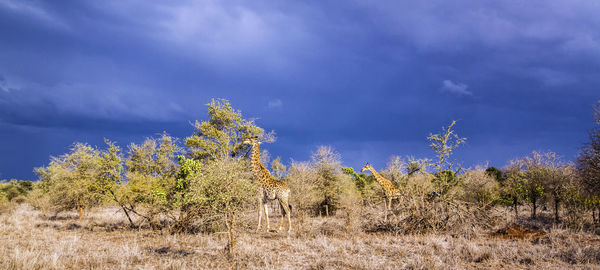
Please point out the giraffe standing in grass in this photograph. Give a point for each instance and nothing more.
(391, 192)
(269, 188)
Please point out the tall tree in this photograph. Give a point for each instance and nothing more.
(222, 134)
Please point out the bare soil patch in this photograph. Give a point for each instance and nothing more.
(515, 231)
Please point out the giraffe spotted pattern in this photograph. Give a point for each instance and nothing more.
(390, 191)
(269, 188)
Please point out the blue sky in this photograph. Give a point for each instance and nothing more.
(370, 78)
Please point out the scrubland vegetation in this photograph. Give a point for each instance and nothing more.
(174, 204)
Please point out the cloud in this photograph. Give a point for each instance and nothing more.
(34, 10)
(79, 104)
(455, 88)
(553, 78)
(275, 104)
(222, 34)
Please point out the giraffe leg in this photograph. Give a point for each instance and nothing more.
(385, 202)
(266, 206)
(288, 213)
(260, 205)
(283, 213)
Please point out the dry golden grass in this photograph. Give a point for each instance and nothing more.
(32, 240)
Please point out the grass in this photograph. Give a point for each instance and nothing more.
(33, 240)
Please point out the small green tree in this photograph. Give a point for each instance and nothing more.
(151, 171)
(444, 144)
(14, 188)
(495, 173)
(536, 171)
(109, 181)
(68, 180)
(219, 190)
(512, 189)
(369, 189)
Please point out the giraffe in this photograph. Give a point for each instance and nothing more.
(269, 188)
(391, 192)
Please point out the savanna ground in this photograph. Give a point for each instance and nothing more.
(31, 239)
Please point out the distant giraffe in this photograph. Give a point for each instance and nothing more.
(391, 192)
(269, 188)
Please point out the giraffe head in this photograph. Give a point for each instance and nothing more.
(251, 140)
(367, 167)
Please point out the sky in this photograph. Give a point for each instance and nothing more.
(372, 79)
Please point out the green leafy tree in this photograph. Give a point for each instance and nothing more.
(68, 180)
(220, 189)
(366, 185)
(222, 134)
(110, 180)
(512, 189)
(536, 171)
(495, 173)
(14, 188)
(151, 169)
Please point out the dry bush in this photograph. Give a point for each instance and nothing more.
(319, 185)
(479, 187)
(419, 212)
(304, 197)
(421, 216)
(419, 185)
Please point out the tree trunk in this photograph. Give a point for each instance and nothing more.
(516, 206)
(128, 217)
(122, 207)
(534, 208)
(556, 217)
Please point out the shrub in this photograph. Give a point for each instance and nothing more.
(68, 180)
(14, 188)
(321, 183)
(479, 187)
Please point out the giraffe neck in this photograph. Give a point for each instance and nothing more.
(380, 179)
(257, 168)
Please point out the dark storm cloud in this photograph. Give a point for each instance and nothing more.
(373, 79)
